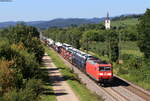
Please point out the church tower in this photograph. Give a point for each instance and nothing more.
(107, 22)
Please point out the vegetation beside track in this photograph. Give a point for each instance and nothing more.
(48, 94)
(126, 45)
(134, 68)
(21, 78)
(81, 91)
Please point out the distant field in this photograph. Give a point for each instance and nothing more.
(128, 45)
(129, 21)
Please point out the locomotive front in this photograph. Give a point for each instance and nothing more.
(100, 71)
(105, 73)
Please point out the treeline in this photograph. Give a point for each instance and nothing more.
(84, 35)
(20, 57)
(122, 17)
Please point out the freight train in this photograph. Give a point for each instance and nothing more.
(97, 69)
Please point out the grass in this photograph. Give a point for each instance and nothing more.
(133, 52)
(80, 90)
(127, 47)
(48, 93)
(137, 80)
(129, 21)
(135, 71)
(126, 22)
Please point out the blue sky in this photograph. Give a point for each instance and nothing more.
(32, 10)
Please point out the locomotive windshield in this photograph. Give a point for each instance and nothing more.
(104, 68)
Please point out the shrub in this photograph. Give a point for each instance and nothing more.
(24, 62)
(122, 71)
(35, 85)
(31, 92)
(126, 56)
(21, 95)
(20, 54)
(6, 76)
(34, 46)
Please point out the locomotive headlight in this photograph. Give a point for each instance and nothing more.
(101, 74)
(109, 74)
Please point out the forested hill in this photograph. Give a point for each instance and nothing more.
(68, 22)
(73, 21)
(56, 22)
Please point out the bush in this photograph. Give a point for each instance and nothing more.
(35, 85)
(6, 76)
(20, 54)
(24, 62)
(35, 46)
(31, 92)
(126, 56)
(21, 95)
(122, 70)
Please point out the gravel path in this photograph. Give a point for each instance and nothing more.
(61, 88)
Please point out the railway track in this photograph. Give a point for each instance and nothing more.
(115, 94)
(117, 91)
(139, 93)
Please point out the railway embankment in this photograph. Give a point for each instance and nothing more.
(115, 92)
(72, 79)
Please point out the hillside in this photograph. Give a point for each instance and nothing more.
(55, 22)
(127, 22)
(116, 21)
(67, 22)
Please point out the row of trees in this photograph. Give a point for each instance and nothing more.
(122, 17)
(83, 36)
(20, 55)
(144, 31)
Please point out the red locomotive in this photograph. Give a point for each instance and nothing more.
(99, 71)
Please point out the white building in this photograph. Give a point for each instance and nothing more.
(107, 22)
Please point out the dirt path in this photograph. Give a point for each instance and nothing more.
(61, 88)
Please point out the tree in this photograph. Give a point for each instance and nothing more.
(27, 35)
(74, 36)
(144, 34)
(88, 37)
(6, 76)
(20, 54)
(34, 46)
(113, 48)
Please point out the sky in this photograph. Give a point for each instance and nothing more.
(33, 10)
